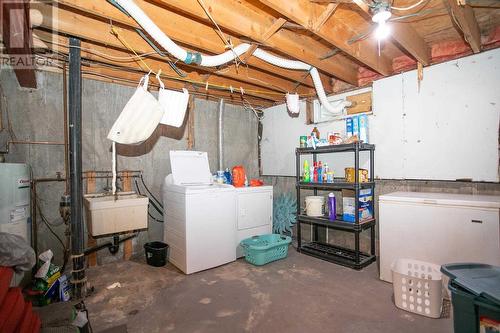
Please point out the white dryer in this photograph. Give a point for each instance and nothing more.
(200, 216)
(255, 213)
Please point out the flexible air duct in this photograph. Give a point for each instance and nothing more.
(212, 61)
(281, 62)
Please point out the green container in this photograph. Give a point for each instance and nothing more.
(475, 291)
(260, 250)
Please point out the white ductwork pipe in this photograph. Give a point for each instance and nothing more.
(212, 61)
(281, 62)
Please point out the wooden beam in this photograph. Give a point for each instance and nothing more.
(238, 17)
(131, 79)
(405, 36)
(323, 17)
(16, 33)
(278, 24)
(188, 33)
(464, 18)
(334, 31)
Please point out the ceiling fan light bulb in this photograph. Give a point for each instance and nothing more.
(381, 15)
(382, 31)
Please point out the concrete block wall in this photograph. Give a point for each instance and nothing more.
(38, 115)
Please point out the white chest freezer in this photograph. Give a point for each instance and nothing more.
(255, 213)
(200, 217)
(439, 228)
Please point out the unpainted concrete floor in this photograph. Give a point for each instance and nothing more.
(297, 294)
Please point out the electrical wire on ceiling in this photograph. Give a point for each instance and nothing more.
(259, 114)
(410, 7)
(227, 41)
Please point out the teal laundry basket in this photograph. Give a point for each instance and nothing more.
(260, 250)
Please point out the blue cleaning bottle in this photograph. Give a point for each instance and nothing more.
(332, 207)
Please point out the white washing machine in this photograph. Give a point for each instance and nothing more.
(255, 213)
(200, 216)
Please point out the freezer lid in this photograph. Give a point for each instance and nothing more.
(445, 199)
(190, 167)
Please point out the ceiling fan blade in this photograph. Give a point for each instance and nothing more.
(361, 36)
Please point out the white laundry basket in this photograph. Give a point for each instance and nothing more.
(417, 287)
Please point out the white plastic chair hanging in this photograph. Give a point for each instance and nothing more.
(139, 118)
(174, 105)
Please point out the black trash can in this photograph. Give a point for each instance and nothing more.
(156, 253)
(475, 295)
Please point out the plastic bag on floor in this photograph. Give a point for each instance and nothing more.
(16, 252)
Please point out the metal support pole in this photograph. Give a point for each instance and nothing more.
(297, 181)
(78, 278)
(356, 203)
(315, 234)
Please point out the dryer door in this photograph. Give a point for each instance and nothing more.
(254, 209)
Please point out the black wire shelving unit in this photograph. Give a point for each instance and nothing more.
(353, 258)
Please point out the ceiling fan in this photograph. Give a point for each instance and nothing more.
(382, 14)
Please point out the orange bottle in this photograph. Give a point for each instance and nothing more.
(238, 176)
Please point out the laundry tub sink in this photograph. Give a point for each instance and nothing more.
(109, 214)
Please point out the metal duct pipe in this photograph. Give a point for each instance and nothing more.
(220, 133)
(78, 278)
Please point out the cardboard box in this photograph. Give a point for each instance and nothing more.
(365, 205)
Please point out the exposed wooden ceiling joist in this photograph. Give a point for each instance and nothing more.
(71, 23)
(405, 36)
(333, 31)
(235, 16)
(463, 16)
(193, 34)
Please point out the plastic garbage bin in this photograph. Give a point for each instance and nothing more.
(475, 295)
(156, 253)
